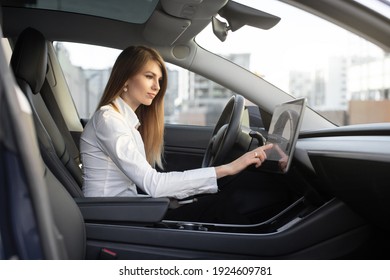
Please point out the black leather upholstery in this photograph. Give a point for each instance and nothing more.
(68, 219)
(29, 59)
(61, 226)
(29, 63)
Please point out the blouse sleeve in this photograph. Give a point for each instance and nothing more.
(117, 140)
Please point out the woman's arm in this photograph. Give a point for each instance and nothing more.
(256, 156)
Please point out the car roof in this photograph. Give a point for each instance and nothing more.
(170, 22)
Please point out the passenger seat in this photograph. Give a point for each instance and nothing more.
(29, 63)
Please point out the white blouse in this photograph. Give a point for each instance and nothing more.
(114, 161)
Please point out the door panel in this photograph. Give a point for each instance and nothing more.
(185, 146)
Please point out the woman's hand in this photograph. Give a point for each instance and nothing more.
(256, 157)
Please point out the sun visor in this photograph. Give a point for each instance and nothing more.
(167, 33)
(192, 9)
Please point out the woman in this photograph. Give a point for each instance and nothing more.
(123, 142)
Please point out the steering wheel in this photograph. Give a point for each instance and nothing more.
(225, 132)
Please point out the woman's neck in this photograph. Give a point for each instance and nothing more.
(129, 102)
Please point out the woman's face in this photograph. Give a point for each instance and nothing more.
(144, 86)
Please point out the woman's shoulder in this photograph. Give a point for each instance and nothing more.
(107, 114)
(107, 111)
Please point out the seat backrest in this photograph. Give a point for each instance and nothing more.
(67, 217)
(43, 220)
(29, 63)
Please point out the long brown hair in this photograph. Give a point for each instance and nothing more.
(129, 63)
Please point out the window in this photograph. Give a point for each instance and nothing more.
(86, 71)
(190, 98)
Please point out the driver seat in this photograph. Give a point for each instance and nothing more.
(29, 62)
(55, 229)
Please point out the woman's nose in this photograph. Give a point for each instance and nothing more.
(156, 85)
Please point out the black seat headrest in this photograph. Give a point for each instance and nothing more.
(29, 58)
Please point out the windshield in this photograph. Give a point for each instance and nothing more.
(343, 76)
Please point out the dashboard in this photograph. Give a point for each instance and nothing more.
(352, 164)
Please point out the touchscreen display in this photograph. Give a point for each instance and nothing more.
(283, 134)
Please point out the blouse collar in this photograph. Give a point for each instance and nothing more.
(127, 112)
